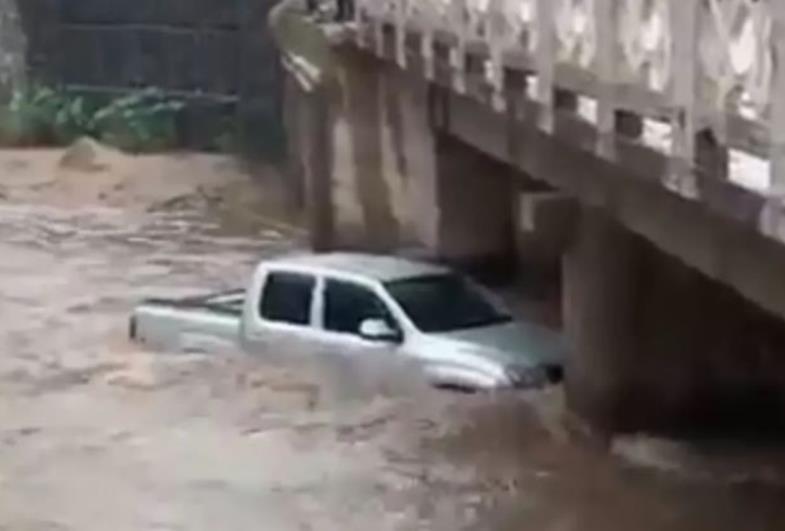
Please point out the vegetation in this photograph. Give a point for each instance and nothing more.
(142, 121)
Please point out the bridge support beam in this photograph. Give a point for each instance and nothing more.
(599, 275)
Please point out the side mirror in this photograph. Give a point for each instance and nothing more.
(379, 330)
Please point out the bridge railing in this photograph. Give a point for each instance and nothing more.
(703, 66)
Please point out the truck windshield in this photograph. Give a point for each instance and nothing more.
(444, 303)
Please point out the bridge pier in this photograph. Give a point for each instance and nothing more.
(657, 346)
(599, 295)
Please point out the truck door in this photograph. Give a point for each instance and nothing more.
(282, 319)
(343, 308)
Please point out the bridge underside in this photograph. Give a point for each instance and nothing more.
(673, 308)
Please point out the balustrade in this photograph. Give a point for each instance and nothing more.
(703, 65)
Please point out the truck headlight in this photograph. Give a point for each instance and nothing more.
(527, 377)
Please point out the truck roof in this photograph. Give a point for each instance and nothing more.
(377, 267)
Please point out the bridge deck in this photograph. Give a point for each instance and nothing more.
(594, 73)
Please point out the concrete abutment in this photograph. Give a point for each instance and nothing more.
(378, 176)
(657, 346)
(391, 161)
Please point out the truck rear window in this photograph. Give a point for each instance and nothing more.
(286, 298)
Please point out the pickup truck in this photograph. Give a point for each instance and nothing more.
(455, 332)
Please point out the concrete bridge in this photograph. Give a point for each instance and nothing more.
(639, 144)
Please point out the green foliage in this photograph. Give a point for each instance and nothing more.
(75, 118)
(29, 117)
(141, 121)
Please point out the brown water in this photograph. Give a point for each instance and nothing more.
(98, 435)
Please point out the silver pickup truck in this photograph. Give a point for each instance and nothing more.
(355, 304)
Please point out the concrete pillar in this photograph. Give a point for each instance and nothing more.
(601, 270)
(312, 138)
(410, 155)
(418, 157)
(600, 275)
(711, 157)
(361, 196)
(294, 185)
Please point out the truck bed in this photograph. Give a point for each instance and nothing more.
(228, 302)
(191, 324)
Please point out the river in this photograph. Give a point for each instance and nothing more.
(96, 434)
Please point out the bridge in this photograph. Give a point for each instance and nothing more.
(636, 145)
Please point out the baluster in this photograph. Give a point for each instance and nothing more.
(494, 21)
(685, 27)
(546, 62)
(458, 10)
(400, 32)
(724, 81)
(378, 26)
(426, 43)
(773, 214)
(605, 12)
(777, 101)
(359, 35)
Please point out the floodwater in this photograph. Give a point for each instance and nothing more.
(96, 434)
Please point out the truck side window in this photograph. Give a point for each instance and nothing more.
(347, 305)
(286, 298)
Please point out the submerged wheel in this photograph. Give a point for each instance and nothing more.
(456, 388)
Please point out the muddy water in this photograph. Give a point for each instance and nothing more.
(96, 434)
